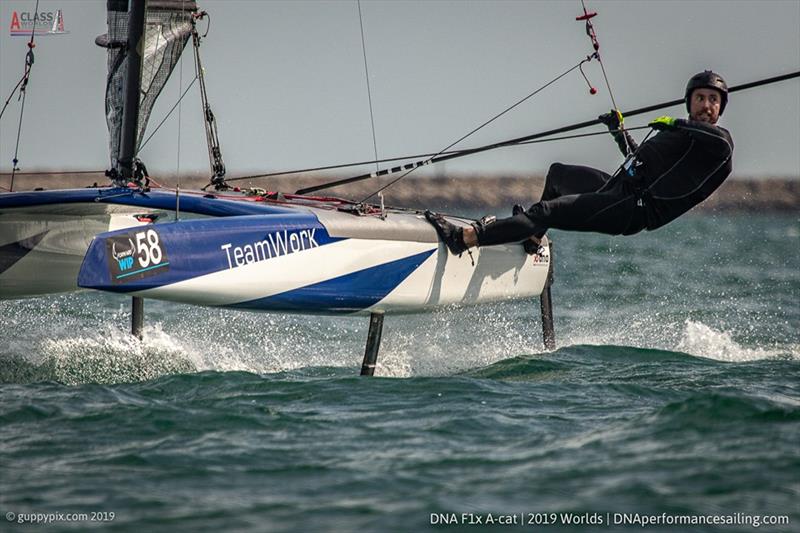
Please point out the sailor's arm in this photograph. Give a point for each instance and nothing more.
(713, 139)
(614, 121)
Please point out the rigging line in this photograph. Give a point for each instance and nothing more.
(180, 110)
(590, 31)
(58, 173)
(24, 92)
(198, 69)
(479, 127)
(216, 164)
(576, 136)
(16, 149)
(548, 133)
(166, 117)
(332, 167)
(516, 142)
(507, 110)
(608, 85)
(369, 92)
(386, 160)
(593, 35)
(180, 114)
(10, 96)
(443, 150)
(613, 100)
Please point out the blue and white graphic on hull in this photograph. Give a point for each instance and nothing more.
(263, 262)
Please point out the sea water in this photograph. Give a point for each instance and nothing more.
(672, 403)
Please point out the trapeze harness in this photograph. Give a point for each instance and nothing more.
(659, 181)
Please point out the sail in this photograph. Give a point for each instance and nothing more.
(168, 26)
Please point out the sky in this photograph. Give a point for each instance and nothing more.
(286, 81)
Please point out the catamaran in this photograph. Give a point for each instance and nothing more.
(250, 250)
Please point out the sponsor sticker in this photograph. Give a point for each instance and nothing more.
(136, 255)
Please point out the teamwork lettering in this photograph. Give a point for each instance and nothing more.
(273, 245)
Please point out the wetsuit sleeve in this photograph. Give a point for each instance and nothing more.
(620, 136)
(712, 138)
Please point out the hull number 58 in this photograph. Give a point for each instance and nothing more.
(148, 248)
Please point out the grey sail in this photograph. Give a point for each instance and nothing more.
(168, 26)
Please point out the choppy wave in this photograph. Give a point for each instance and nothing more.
(703, 341)
(112, 357)
(413, 346)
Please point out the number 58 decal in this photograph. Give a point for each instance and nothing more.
(148, 248)
(136, 255)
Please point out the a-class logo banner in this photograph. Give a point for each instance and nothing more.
(135, 255)
(23, 23)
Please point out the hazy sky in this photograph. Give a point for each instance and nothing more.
(286, 82)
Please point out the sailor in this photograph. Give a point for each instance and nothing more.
(682, 165)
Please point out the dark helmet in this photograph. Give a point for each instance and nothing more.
(707, 80)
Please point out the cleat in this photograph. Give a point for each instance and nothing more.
(451, 235)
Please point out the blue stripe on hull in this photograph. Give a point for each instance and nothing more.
(345, 294)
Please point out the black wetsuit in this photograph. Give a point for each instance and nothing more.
(668, 175)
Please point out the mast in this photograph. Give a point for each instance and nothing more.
(130, 116)
(130, 122)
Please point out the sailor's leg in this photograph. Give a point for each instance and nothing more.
(563, 180)
(566, 180)
(605, 212)
(457, 239)
(609, 212)
(504, 230)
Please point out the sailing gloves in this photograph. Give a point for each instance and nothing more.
(613, 119)
(662, 123)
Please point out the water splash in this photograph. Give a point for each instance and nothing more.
(113, 356)
(702, 341)
(456, 339)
